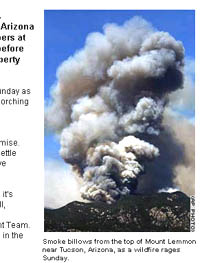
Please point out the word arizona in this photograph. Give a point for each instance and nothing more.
(13, 26)
(98, 249)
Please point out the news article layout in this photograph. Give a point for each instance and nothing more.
(97, 138)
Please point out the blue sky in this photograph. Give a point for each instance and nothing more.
(66, 31)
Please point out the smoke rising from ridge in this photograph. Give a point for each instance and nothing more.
(108, 108)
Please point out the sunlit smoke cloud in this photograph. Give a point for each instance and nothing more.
(108, 108)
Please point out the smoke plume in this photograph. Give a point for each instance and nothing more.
(108, 108)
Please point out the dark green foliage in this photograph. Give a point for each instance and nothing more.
(160, 212)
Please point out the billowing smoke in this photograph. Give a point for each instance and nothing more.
(108, 109)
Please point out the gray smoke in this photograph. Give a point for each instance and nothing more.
(108, 109)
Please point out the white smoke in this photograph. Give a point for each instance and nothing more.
(108, 106)
(61, 186)
(113, 169)
(168, 190)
